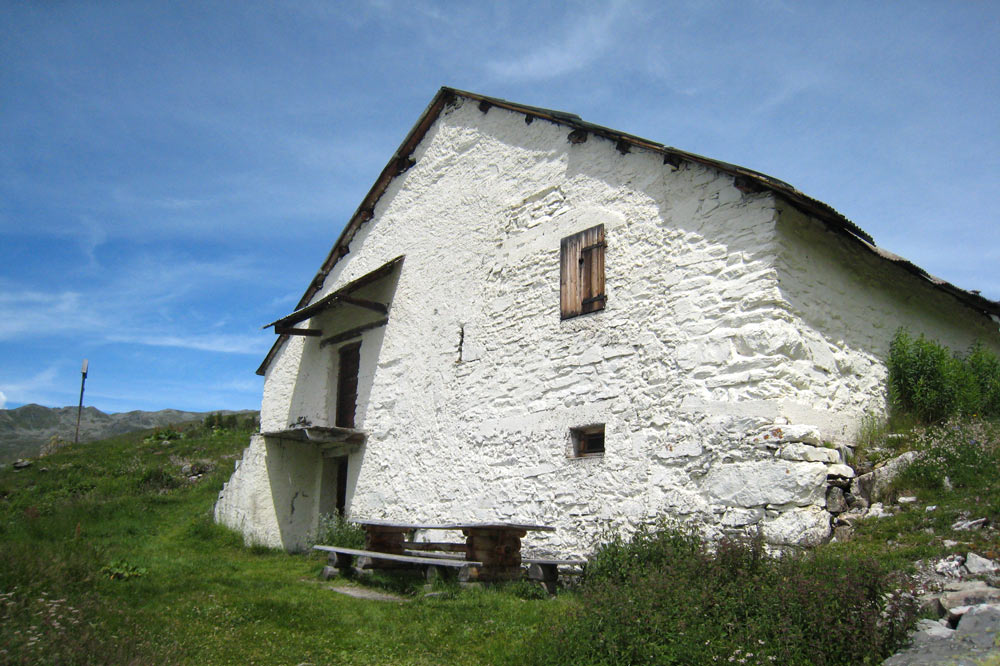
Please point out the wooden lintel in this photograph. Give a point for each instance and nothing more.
(381, 308)
(352, 333)
(310, 332)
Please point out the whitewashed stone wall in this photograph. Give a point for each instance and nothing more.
(271, 497)
(730, 349)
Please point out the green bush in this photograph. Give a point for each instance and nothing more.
(665, 597)
(960, 453)
(157, 479)
(929, 381)
(122, 570)
(335, 530)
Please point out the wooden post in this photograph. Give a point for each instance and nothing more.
(79, 409)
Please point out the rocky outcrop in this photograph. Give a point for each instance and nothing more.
(968, 628)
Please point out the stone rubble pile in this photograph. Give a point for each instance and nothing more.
(968, 628)
(194, 471)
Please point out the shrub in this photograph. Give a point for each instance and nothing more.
(335, 530)
(122, 570)
(960, 453)
(665, 597)
(157, 479)
(929, 381)
(168, 433)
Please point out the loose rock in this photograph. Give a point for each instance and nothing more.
(965, 525)
(979, 566)
(835, 502)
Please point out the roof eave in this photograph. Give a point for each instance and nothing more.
(401, 161)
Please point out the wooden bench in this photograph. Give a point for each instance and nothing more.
(546, 571)
(342, 559)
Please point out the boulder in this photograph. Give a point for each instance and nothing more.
(871, 485)
(754, 484)
(798, 527)
(782, 433)
(979, 566)
(845, 471)
(807, 453)
(969, 593)
(835, 502)
(980, 626)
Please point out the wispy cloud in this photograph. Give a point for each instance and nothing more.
(585, 39)
(223, 343)
(153, 300)
(3, 400)
(91, 236)
(36, 388)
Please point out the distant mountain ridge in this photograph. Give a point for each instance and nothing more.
(25, 429)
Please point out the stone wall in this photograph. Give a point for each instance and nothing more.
(714, 379)
(273, 493)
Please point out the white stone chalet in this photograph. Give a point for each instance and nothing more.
(535, 319)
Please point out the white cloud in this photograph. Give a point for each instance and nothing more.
(226, 344)
(40, 388)
(152, 300)
(3, 400)
(586, 39)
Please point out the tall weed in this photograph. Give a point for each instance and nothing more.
(663, 596)
(931, 382)
(335, 530)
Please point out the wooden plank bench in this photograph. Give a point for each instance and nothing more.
(546, 571)
(342, 559)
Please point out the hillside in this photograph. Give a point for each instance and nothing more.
(108, 555)
(116, 538)
(25, 429)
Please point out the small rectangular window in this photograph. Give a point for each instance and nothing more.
(588, 440)
(581, 273)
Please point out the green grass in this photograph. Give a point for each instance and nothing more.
(957, 475)
(110, 556)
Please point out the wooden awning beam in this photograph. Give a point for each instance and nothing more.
(381, 308)
(352, 332)
(342, 295)
(310, 332)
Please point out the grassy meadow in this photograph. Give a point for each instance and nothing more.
(109, 556)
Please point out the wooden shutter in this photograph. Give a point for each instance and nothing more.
(581, 275)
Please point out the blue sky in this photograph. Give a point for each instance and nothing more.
(172, 174)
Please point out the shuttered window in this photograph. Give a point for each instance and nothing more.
(581, 279)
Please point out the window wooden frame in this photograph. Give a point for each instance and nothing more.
(581, 273)
(588, 441)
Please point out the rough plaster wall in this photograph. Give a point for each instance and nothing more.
(698, 362)
(847, 304)
(271, 497)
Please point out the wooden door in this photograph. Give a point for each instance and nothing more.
(347, 385)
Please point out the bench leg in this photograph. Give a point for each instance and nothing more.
(545, 574)
(436, 573)
(341, 562)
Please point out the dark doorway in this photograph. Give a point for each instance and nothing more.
(333, 492)
(347, 384)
